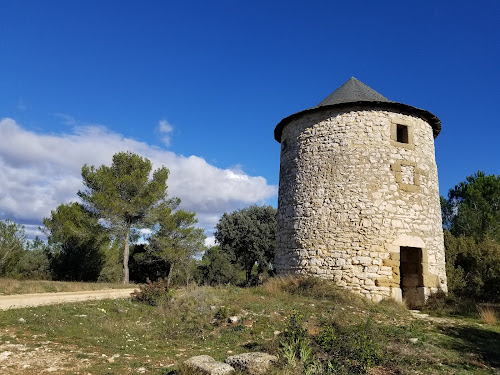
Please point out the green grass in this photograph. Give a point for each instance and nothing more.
(122, 336)
(13, 286)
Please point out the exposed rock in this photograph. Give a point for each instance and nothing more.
(204, 364)
(233, 319)
(252, 363)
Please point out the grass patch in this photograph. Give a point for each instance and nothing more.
(14, 286)
(488, 314)
(314, 327)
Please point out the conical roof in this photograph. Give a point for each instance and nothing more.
(353, 91)
(356, 93)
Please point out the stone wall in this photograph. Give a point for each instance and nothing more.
(351, 195)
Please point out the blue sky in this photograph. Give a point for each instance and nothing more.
(200, 85)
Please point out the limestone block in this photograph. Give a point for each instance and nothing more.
(255, 363)
(206, 365)
(364, 260)
(430, 280)
(383, 282)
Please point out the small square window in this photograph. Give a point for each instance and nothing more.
(401, 133)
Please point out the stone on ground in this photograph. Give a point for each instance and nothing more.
(252, 363)
(204, 364)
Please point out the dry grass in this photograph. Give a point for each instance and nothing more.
(280, 284)
(487, 315)
(13, 286)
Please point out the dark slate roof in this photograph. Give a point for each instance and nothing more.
(353, 91)
(356, 93)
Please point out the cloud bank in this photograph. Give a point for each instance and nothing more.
(40, 171)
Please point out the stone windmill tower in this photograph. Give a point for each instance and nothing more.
(358, 195)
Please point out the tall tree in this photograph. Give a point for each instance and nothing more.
(12, 243)
(473, 207)
(473, 267)
(78, 243)
(216, 268)
(249, 234)
(174, 240)
(124, 195)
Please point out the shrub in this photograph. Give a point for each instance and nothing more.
(487, 315)
(154, 293)
(294, 332)
(353, 350)
(473, 267)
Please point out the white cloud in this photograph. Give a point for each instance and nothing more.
(40, 171)
(164, 128)
(210, 241)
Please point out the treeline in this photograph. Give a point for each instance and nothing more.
(20, 258)
(471, 218)
(127, 228)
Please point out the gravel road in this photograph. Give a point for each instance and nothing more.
(16, 301)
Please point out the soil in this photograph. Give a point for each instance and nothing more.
(36, 355)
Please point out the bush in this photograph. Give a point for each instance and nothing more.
(34, 265)
(294, 331)
(216, 268)
(353, 350)
(473, 267)
(153, 293)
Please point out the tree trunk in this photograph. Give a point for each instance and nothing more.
(169, 276)
(126, 252)
(248, 275)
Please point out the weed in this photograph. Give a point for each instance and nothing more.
(487, 315)
(294, 332)
(352, 348)
(154, 293)
(221, 315)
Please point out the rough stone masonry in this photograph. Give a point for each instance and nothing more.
(358, 196)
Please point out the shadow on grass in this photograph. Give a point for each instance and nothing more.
(476, 340)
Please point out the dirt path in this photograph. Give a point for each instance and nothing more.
(16, 301)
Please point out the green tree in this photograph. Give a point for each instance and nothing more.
(78, 242)
(249, 235)
(174, 241)
(473, 207)
(216, 268)
(471, 215)
(12, 242)
(124, 196)
(473, 267)
(34, 262)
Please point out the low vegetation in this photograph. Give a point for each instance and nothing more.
(312, 326)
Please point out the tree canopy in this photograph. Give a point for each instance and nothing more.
(471, 216)
(12, 241)
(473, 207)
(174, 240)
(216, 268)
(249, 236)
(124, 195)
(78, 243)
